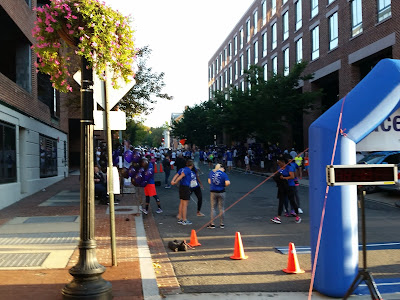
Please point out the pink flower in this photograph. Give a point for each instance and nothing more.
(49, 29)
(74, 17)
(80, 28)
(68, 26)
(71, 32)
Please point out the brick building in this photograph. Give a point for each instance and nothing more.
(341, 39)
(33, 120)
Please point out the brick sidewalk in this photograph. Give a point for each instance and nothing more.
(46, 284)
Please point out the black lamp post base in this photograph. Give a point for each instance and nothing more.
(88, 289)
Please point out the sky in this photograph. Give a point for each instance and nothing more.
(183, 36)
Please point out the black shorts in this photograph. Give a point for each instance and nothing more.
(184, 192)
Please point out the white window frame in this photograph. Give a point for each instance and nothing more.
(248, 30)
(248, 58)
(315, 43)
(230, 75)
(314, 8)
(241, 38)
(384, 9)
(242, 85)
(356, 17)
(275, 65)
(220, 61)
(285, 25)
(333, 31)
(229, 51)
(241, 65)
(265, 44)
(265, 71)
(264, 12)
(225, 61)
(299, 50)
(273, 7)
(286, 62)
(226, 78)
(235, 45)
(298, 14)
(255, 45)
(216, 66)
(274, 36)
(236, 70)
(255, 21)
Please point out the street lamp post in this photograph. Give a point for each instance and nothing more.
(87, 283)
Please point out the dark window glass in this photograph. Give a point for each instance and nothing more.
(8, 156)
(48, 157)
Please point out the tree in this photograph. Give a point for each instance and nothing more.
(265, 110)
(149, 86)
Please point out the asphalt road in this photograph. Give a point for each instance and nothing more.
(208, 268)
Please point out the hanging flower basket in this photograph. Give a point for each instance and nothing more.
(87, 28)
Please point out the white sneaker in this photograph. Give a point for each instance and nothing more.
(300, 210)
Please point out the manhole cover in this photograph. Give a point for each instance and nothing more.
(55, 219)
(9, 260)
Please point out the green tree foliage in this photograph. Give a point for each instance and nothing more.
(264, 111)
(139, 134)
(148, 88)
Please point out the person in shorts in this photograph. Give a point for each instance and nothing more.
(184, 176)
(150, 189)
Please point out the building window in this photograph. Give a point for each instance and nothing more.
(220, 62)
(235, 45)
(242, 86)
(330, 1)
(333, 31)
(273, 7)
(265, 72)
(286, 62)
(210, 92)
(265, 44)
(285, 25)
(8, 153)
(248, 58)
(248, 30)
(230, 51)
(241, 65)
(299, 14)
(273, 37)
(384, 9)
(217, 84)
(356, 16)
(216, 66)
(255, 52)
(284, 2)
(221, 81)
(275, 65)
(299, 50)
(209, 73)
(241, 37)
(48, 156)
(315, 43)
(226, 78)
(249, 85)
(255, 21)
(264, 12)
(314, 8)
(236, 70)
(230, 75)
(212, 71)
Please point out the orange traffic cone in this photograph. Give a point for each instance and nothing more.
(161, 169)
(238, 252)
(193, 239)
(293, 264)
(155, 168)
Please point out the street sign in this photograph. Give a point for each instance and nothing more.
(117, 120)
(361, 174)
(115, 95)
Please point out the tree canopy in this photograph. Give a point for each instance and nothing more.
(265, 110)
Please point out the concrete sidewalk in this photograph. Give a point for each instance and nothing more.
(39, 237)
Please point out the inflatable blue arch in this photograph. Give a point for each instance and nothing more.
(364, 109)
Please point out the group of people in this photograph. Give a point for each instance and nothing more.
(187, 164)
(189, 182)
